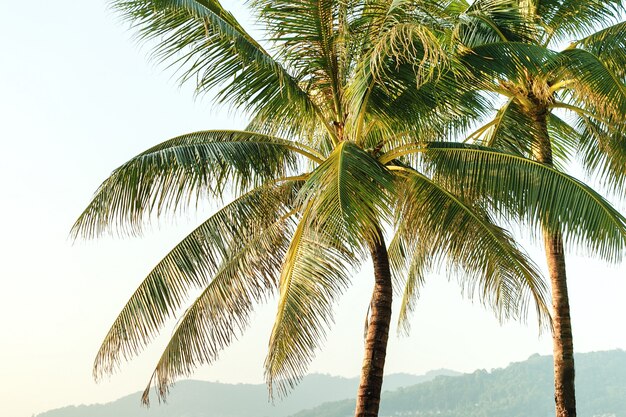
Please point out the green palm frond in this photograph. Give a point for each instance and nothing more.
(436, 227)
(602, 150)
(490, 21)
(314, 274)
(173, 173)
(348, 195)
(409, 266)
(247, 275)
(510, 62)
(564, 139)
(513, 131)
(527, 191)
(510, 130)
(609, 45)
(567, 19)
(599, 89)
(207, 45)
(307, 34)
(192, 264)
(393, 37)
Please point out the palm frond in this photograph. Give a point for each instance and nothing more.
(609, 45)
(436, 227)
(595, 85)
(510, 130)
(348, 195)
(314, 274)
(398, 34)
(490, 21)
(602, 152)
(308, 37)
(180, 170)
(567, 19)
(207, 45)
(509, 62)
(564, 141)
(526, 191)
(247, 275)
(192, 263)
(409, 266)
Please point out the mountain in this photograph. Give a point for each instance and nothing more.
(211, 399)
(522, 389)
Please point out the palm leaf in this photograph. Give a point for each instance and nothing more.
(176, 172)
(434, 227)
(315, 272)
(512, 61)
(191, 264)
(246, 276)
(595, 86)
(602, 152)
(490, 21)
(609, 45)
(207, 45)
(563, 19)
(308, 36)
(348, 195)
(526, 191)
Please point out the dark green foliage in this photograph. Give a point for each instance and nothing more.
(522, 389)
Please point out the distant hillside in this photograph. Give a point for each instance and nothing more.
(211, 399)
(522, 389)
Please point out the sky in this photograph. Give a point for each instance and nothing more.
(78, 97)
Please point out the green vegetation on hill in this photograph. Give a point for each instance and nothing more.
(522, 389)
(212, 399)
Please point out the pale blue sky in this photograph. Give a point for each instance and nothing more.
(77, 98)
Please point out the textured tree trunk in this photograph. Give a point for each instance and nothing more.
(368, 395)
(562, 339)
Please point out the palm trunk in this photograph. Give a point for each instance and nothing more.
(562, 339)
(368, 395)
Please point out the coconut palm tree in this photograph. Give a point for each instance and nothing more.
(333, 160)
(557, 103)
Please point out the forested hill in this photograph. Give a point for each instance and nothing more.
(212, 399)
(522, 389)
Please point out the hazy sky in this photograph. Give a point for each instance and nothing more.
(78, 97)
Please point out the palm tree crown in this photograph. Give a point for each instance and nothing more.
(342, 98)
(558, 105)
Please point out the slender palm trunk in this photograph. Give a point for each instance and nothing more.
(368, 395)
(562, 339)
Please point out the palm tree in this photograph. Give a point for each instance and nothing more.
(557, 105)
(334, 157)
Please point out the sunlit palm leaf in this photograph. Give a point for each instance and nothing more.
(601, 90)
(490, 21)
(191, 264)
(529, 192)
(348, 195)
(510, 130)
(435, 227)
(176, 172)
(609, 45)
(563, 19)
(564, 139)
(308, 33)
(509, 62)
(209, 47)
(247, 275)
(315, 272)
(603, 152)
